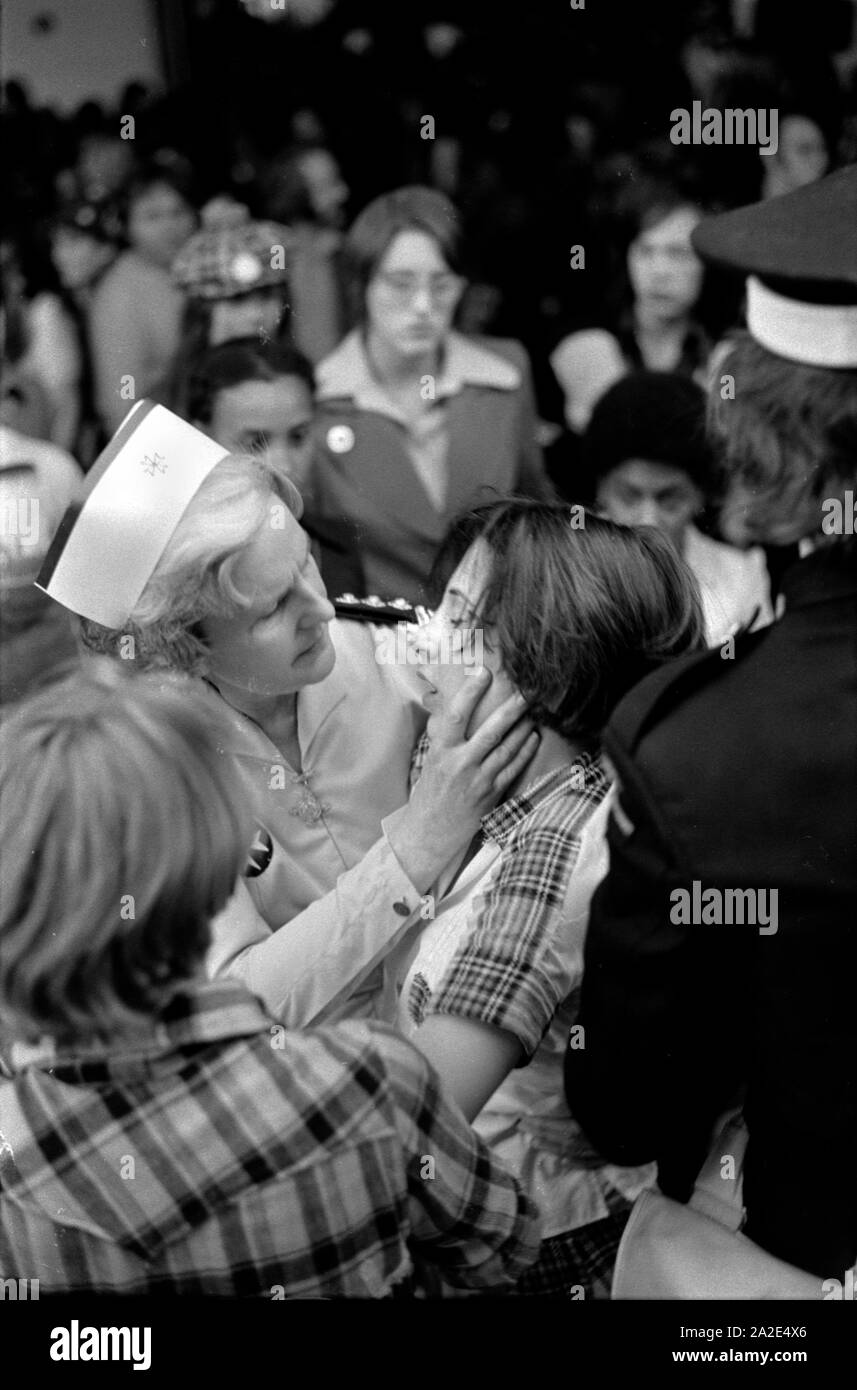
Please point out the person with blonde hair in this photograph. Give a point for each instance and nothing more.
(243, 1139)
(187, 560)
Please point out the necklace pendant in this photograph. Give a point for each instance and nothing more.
(309, 809)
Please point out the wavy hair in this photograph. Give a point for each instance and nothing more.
(787, 440)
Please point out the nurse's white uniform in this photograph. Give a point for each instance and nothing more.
(309, 932)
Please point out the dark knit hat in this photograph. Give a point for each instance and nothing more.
(656, 416)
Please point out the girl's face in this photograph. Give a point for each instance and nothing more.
(454, 632)
(641, 493)
(271, 419)
(412, 297)
(252, 315)
(281, 642)
(666, 273)
(159, 223)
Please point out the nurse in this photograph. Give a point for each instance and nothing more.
(191, 561)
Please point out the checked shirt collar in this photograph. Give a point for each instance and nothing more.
(199, 1013)
(498, 825)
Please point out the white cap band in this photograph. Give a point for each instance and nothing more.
(819, 335)
(106, 551)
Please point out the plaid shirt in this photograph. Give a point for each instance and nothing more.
(506, 949)
(228, 1156)
(511, 970)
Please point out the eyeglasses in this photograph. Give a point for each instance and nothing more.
(403, 286)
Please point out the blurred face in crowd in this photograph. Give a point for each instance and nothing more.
(159, 223)
(271, 419)
(326, 187)
(282, 641)
(642, 493)
(666, 274)
(249, 315)
(412, 297)
(103, 164)
(439, 641)
(79, 258)
(801, 155)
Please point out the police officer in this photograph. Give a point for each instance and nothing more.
(722, 948)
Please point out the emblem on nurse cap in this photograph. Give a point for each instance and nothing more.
(340, 439)
(107, 548)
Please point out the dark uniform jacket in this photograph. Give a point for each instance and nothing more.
(738, 773)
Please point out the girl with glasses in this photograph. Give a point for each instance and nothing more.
(417, 421)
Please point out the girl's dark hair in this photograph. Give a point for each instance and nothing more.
(412, 208)
(579, 614)
(230, 364)
(653, 198)
(642, 205)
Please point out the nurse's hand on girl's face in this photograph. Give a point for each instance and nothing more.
(281, 641)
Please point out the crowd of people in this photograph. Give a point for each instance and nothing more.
(362, 952)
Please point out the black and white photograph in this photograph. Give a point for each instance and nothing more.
(428, 686)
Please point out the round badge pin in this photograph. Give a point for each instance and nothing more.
(340, 439)
(246, 268)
